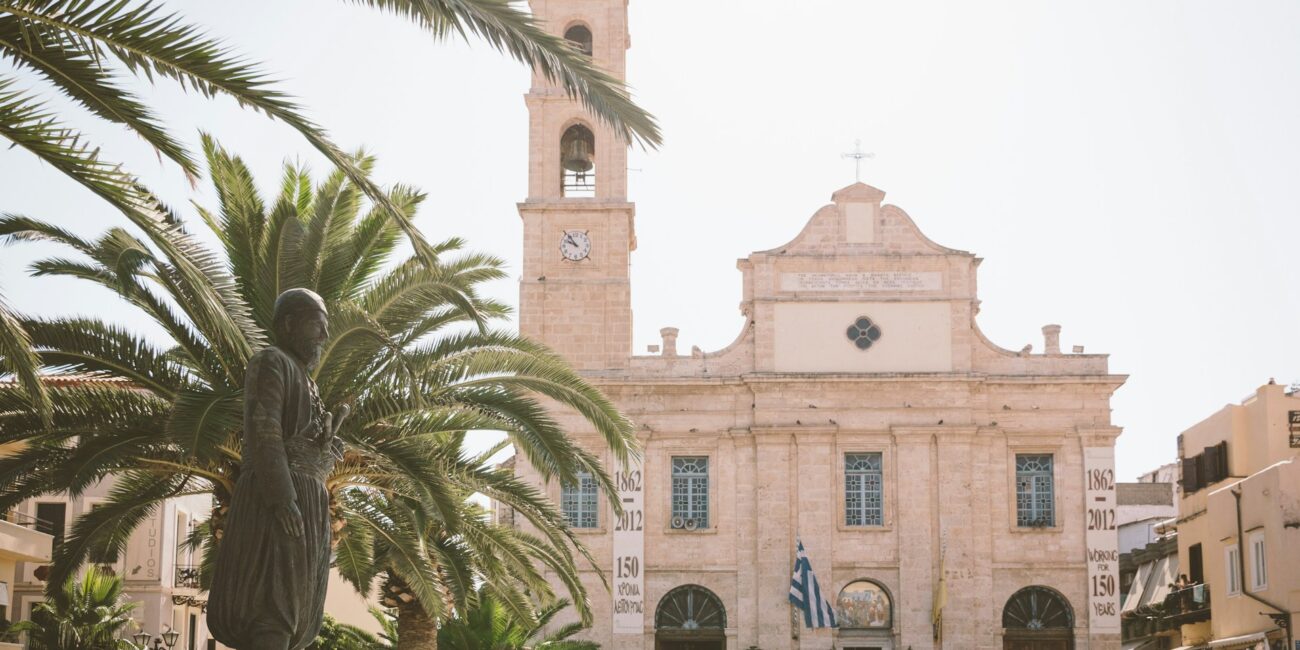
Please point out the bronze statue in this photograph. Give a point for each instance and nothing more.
(268, 589)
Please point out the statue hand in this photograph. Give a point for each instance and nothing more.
(290, 519)
(333, 422)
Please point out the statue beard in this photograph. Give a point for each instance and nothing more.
(308, 352)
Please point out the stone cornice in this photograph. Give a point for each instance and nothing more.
(609, 378)
(575, 205)
(1099, 436)
(945, 432)
(793, 429)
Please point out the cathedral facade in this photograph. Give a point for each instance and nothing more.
(948, 493)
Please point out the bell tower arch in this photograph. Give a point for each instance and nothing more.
(575, 293)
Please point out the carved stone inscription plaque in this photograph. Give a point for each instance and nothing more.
(872, 281)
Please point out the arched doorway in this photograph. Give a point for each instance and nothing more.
(1037, 618)
(690, 617)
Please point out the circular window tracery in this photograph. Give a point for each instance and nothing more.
(690, 607)
(1037, 608)
(863, 333)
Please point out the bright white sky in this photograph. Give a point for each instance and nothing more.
(1126, 169)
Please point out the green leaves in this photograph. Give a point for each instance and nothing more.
(16, 357)
(507, 27)
(412, 351)
(86, 614)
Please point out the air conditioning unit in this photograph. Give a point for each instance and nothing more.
(678, 522)
(691, 524)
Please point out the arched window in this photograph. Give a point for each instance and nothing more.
(579, 35)
(690, 607)
(578, 162)
(864, 605)
(1037, 608)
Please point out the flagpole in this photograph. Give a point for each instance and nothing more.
(795, 627)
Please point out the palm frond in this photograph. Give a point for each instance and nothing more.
(81, 75)
(149, 42)
(32, 125)
(135, 495)
(203, 420)
(505, 26)
(18, 357)
(91, 346)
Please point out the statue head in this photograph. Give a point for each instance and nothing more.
(301, 325)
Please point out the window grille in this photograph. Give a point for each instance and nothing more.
(863, 490)
(690, 498)
(1035, 505)
(578, 501)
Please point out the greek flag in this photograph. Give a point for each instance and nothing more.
(807, 595)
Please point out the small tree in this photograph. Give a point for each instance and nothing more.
(87, 614)
(489, 625)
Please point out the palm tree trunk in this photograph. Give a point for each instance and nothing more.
(416, 630)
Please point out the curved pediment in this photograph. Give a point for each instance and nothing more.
(861, 290)
(856, 221)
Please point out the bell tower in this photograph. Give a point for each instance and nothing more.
(575, 293)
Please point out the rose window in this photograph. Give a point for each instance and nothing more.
(863, 333)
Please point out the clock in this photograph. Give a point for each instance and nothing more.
(575, 245)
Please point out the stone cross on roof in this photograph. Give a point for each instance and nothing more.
(857, 155)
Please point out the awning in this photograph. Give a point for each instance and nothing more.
(1164, 575)
(1240, 642)
(1135, 590)
(1144, 644)
(1233, 643)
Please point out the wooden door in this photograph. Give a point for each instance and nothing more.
(690, 644)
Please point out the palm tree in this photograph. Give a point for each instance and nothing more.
(84, 49)
(475, 557)
(412, 353)
(490, 626)
(17, 359)
(341, 636)
(86, 614)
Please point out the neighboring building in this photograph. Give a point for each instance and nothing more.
(1141, 507)
(1239, 521)
(860, 409)
(19, 542)
(158, 571)
(1167, 473)
(1153, 607)
(1148, 564)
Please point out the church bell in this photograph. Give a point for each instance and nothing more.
(577, 155)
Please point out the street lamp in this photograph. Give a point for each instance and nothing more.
(143, 638)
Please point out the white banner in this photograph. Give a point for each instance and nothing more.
(629, 552)
(1102, 539)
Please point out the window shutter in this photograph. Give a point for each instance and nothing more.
(1210, 465)
(1223, 460)
(1190, 474)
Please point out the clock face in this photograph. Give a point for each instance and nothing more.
(575, 245)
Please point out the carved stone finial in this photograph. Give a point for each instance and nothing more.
(670, 341)
(1051, 339)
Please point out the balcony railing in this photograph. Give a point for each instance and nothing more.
(26, 521)
(187, 576)
(1187, 605)
(1179, 607)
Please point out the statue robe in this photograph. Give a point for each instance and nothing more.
(266, 583)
